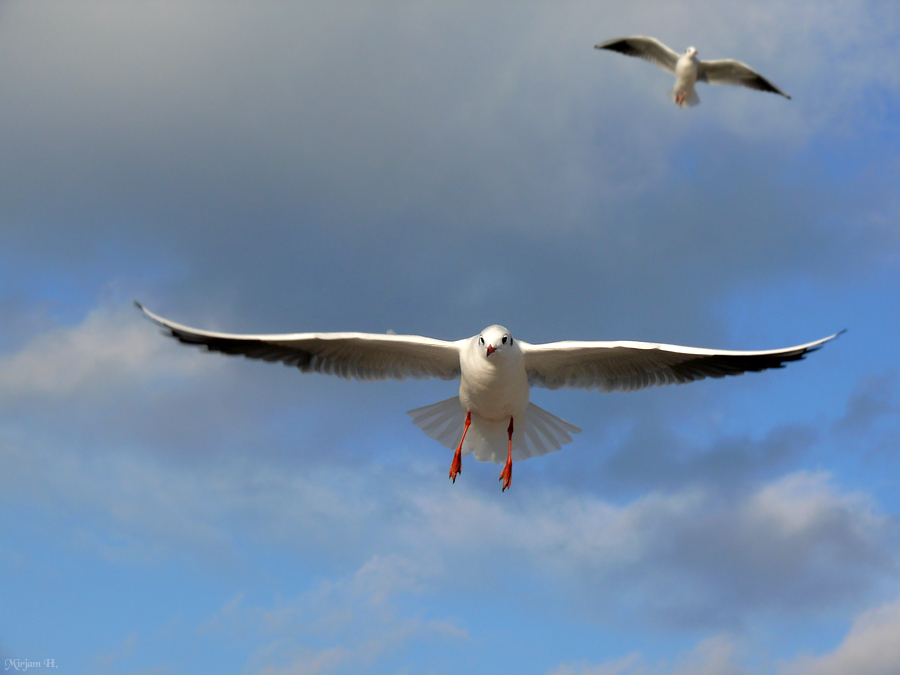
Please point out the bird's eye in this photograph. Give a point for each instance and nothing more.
(481, 340)
(504, 339)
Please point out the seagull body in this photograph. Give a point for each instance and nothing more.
(492, 417)
(688, 69)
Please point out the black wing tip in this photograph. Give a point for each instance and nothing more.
(764, 85)
(615, 45)
(833, 337)
(139, 305)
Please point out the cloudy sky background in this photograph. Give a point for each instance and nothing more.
(433, 168)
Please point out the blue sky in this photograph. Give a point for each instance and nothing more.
(433, 168)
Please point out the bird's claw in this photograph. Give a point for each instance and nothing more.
(456, 466)
(506, 477)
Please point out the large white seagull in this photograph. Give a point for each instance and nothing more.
(492, 416)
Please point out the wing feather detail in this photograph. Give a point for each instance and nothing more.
(629, 366)
(729, 71)
(647, 48)
(363, 356)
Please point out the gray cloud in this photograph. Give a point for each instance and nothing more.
(873, 399)
(311, 167)
(653, 457)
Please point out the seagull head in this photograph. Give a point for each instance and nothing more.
(494, 339)
(690, 52)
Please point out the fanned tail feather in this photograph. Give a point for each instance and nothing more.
(690, 100)
(443, 421)
(544, 432)
(539, 433)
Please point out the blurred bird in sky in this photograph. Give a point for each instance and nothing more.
(688, 69)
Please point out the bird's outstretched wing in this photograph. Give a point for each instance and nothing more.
(729, 71)
(647, 48)
(364, 356)
(627, 366)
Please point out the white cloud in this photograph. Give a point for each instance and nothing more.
(111, 346)
(872, 647)
(633, 664)
(717, 655)
(803, 503)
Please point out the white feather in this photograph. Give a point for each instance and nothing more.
(535, 434)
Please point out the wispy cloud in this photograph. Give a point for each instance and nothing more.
(342, 624)
(111, 347)
(717, 655)
(874, 398)
(869, 648)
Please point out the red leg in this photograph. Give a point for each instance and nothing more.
(456, 466)
(506, 474)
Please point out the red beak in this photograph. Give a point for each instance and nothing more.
(490, 350)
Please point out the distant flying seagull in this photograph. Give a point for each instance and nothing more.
(688, 69)
(495, 371)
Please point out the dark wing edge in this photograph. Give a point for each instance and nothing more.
(629, 366)
(729, 71)
(363, 356)
(647, 48)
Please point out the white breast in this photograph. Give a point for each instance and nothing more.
(494, 387)
(685, 71)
